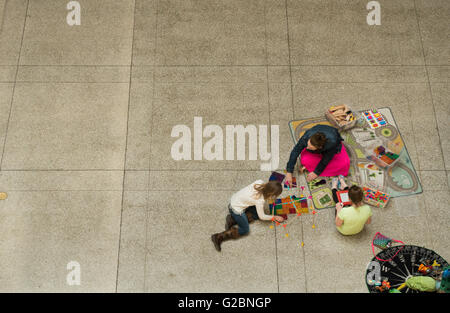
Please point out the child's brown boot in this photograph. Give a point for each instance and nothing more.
(218, 238)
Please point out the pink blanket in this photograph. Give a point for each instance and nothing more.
(339, 164)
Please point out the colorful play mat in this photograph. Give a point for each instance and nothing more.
(398, 180)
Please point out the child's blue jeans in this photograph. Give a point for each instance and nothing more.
(242, 220)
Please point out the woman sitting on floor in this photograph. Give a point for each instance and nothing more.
(321, 152)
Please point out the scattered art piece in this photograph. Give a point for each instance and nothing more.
(289, 205)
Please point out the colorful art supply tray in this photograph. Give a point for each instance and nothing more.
(375, 197)
(374, 118)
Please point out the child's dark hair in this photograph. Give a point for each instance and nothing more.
(318, 140)
(271, 189)
(356, 194)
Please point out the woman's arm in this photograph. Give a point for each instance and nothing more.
(261, 214)
(327, 156)
(332, 147)
(301, 144)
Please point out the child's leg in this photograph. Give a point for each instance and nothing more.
(342, 181)
(242, 222)
(334, 192)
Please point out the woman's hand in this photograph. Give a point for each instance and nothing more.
(289, 179)
(301, 169)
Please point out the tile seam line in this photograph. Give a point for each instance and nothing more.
(432, 105)
(219, 82)
(270, 128)
(293, 113)
(125, 152)
(139, 170)
(226, 65)
(289, 57)
(155, 55)
(429, 88)
(14, 84)
(3, 17)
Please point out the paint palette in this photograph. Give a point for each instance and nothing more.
(374, 119)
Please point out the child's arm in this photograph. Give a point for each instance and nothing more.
(369, 220)
(338, 221)
(265, 217)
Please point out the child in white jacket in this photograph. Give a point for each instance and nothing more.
(246, 206)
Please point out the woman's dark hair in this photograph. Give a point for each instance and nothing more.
(356, 194)
(271, 189)
(318, 140)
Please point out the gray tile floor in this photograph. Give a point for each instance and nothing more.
(87, 113)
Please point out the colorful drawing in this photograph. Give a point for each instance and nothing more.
(289, 205)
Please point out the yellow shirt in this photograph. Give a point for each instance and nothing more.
(354, 219)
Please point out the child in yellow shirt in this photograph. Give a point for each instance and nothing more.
(350, 220)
